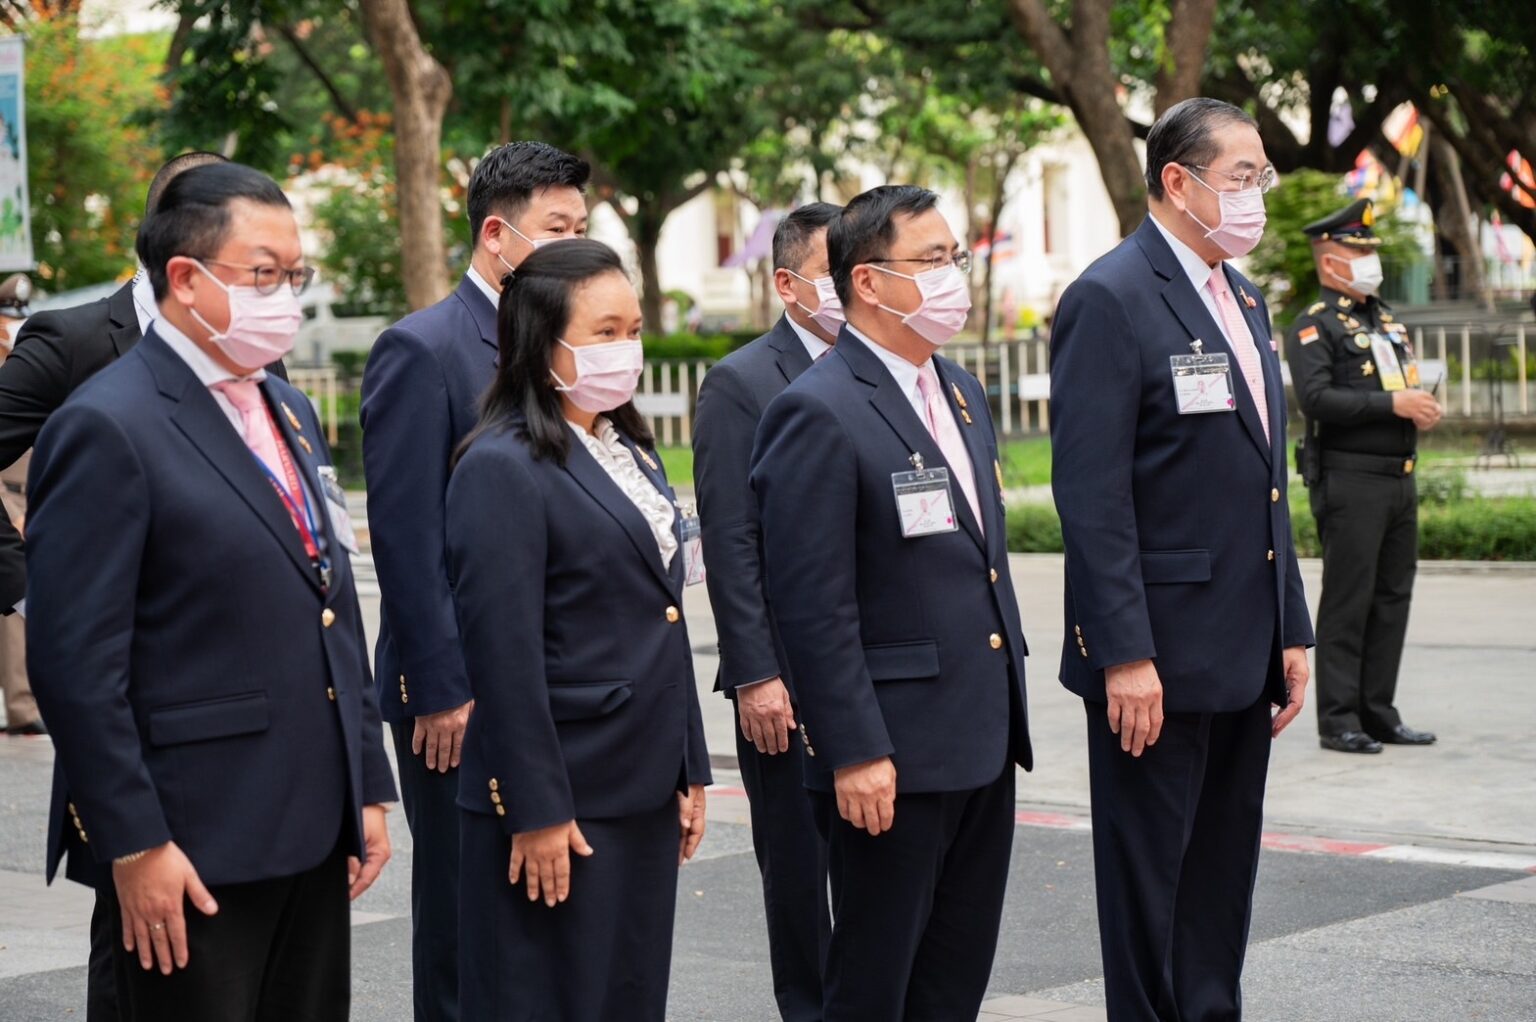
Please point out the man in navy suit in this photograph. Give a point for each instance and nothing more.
(884, 547)
(421, 393)
(1184, 608)
(195, 639)
(790, 853)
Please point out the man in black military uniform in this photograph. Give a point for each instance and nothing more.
(1358, 386)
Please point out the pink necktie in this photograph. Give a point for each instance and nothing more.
(941, 424)
(258, 436)
(1242, 342)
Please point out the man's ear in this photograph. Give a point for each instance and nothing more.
(784, 284)
(863, 281)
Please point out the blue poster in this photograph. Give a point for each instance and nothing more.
(15, 211)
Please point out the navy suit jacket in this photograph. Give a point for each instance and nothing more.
(1177, 528)
(421, 395)
(585, 702)
(732, 398)
(199, 684)
(909, 648)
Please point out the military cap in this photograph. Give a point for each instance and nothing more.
(1349, 226)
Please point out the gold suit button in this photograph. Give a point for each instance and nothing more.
(495, 784)
(1271, 555)
(501, 810)
(1077, 629)
(1083, 651)
(327, 617)
(673, 616)
(995, 641)
(330, 693)
(496, 797)
(1274, 496)
(992, 574)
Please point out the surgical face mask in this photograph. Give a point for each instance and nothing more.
(828, 313)
(606, 374)
(537, 243)
(1365, 274)
(262, 328)
(1242, 220)
(946, 302)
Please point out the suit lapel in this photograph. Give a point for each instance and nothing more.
(596, 481)
(305, 459)
(650, 467)
(792, 358)
(482, 311)
(976, 447)
(123, 313)
(202, 422)
(1274, 386)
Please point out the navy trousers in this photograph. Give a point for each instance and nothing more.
(432, 813)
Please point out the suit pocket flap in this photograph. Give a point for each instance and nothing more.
(1168, 566)
(902, 661)
(581, 700)
(213, 718)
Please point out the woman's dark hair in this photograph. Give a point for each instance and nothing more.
(534, 312)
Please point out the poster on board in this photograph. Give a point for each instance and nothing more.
(15, 210)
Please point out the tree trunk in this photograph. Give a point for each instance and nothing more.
(647, 232)
(421, 89)
(1003, 167)
(1185, 39)
(1454, 219)
(1080, 68)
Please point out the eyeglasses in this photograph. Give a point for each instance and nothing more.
(960, 259)
(267, 279)
(1264, 180)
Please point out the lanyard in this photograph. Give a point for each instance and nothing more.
(304, 522)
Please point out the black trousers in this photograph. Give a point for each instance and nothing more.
(604, 953)
(1175, 853)
(277, 951)
(916, 910)
(1369, 526)
(101, 972)
(792, 858)
(432, 813)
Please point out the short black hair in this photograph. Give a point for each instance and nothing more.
(174, 166)
(509, 175)
(1183, 135)
(791, 239)
(534, 311)
(866, 228)
(192, 216)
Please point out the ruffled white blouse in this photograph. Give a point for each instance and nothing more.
(618, 461)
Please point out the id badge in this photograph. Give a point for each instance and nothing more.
(1388, 369)
(924, 502)
(336, 505)
(693, 545)
(1202, 383)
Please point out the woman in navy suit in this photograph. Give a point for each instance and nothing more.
(583, 772)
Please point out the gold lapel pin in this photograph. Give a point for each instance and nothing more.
(998, 468)
(1247, 300)
(959, 397)
(650, 464)
(305, 444)
(966, 416)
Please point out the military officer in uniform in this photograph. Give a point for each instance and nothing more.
(1358, 386)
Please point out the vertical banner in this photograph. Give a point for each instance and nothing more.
(15, 210)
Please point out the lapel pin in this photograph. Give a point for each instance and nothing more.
(966, 416)
(959, 397)
(646, 458)
(1248, 301)
(998, 468)
(305, 444)
(293, 420)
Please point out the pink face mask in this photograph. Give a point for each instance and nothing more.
(606, 374)
(1242, 220)
(262, 328)
(946, 302)
(828, 313)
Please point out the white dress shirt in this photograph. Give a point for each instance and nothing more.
(904, 372)
(144, 305)
(617, 460)
(1199, 273)
(814, 346)
(491, 294)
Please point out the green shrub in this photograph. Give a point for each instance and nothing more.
(1033, 528)
(686, 346)
(1442, 487)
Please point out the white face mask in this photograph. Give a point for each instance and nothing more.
(536, 243)
(945, 305)
(1365, 274)
(828, 313)
(262, 328)
(1242, 219)
(606, 374)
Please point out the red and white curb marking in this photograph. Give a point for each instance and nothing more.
(1302, 843)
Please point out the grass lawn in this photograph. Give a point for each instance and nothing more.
(678, 461)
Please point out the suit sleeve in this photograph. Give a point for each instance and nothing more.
(1298, 619)
(500, 593)
(1095, 400)
(34, 381)
(805, 474)
(724, 426)
(1312, 375)
(407, 443)
(81, 619)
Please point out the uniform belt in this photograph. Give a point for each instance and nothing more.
(1376, 464)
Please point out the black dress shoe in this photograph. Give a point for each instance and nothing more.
(1349, 741)
(1405, 735)
(36, 728)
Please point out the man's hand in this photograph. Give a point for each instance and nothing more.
(1135, 704)
(1296, 675)
(545, 855)
(151, 892)
(690, 822)
(866, 795)
(767, 718)
(361, 875)
(1418, 405)
(441, 735)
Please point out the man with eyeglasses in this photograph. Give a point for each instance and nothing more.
(1185, 618)
(56, 351)
(195, 639)
(885, 554)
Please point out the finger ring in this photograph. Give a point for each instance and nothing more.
(157, 926)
